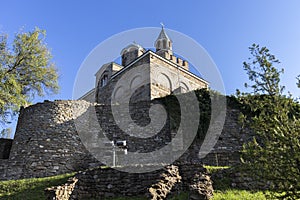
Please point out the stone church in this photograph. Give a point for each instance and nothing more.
(144, 74)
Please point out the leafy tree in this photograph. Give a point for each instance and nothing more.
(274, 154)
(26, 70)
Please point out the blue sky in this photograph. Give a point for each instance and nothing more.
(224, 28)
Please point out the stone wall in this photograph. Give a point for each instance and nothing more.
(108, 183)
(230, 142)
(132, 127)
(46, 142)
(5, 146)
(139, 113)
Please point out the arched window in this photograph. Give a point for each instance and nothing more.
(104, 80)
(158, 44)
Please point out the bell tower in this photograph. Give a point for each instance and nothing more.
(163, 44)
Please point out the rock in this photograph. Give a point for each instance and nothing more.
(201, 187)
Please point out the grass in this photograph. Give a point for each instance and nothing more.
(29, 189)
(181, 196)
(223, 190)
(214, 169)
(234, 194)
(219, 184)
(218, 195)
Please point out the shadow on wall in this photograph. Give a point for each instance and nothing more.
(5, 147)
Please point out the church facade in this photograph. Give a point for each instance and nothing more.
(144, 75)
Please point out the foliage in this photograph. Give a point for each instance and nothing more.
(31, 189)
(26, 70)
(261, 70)
(223, 182)
(214, 169)
(274, 153)
(204, 101)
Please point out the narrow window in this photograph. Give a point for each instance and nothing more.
(158, 44)
(164, 44)
(104, 80)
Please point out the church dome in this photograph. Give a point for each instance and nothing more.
(131, 52)
(132, 47)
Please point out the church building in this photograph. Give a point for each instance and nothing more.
(144, 74)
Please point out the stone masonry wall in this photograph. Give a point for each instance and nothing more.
(101, 183)
(47, 143)
(230, 142)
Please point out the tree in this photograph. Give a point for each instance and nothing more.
(26, 70)
(274, 153)
(262, 72)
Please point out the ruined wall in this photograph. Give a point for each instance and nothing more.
(159, 184)
(230, 142)
(46, 142)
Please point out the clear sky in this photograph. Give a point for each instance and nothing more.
(224, 28)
